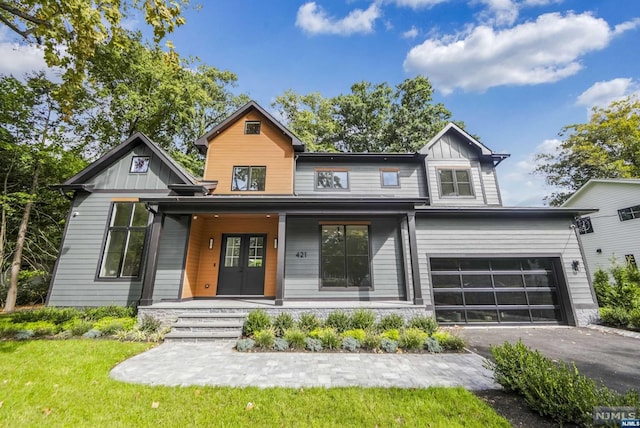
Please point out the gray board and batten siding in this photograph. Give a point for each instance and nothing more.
(302, 275)
(495, 237)
(364, 179)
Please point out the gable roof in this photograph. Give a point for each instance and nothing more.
(203, 142)
(485, 152)
(117, 152)
(596, 181)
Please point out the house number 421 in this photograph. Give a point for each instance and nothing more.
(301, 254)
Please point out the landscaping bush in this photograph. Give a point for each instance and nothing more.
(388, 345)
(77, 327)
(371, 340)
(256, 320)
(9, 330)
(312, 344)
(634, 319)
(95, 314)
(295, 337)
(350, 344)
(329, 338)
(149, 324)
(413, 339)
(392, 334)
(424, 323)
(308, 322)
(41, 328)
(55, 315)
(264, 338)
(92, 334)
(24, 335)
(110, 325)
(623, 292)
(244, 345)
(280, 344)
(338, 320)
(614, 317)
(362, 318)
(553, 389)
(391, 321)
(357, 333)
(432, 345)
(449, 342)
(282, 322)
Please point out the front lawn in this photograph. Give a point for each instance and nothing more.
(66, 383)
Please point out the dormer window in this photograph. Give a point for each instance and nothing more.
(139, 164)
(455, 182)
(390, 177)
(252, 127)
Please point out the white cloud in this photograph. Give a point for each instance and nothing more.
(314, 20)
(411, 33)
(539, 2)
(545, 50)
(602, 93)
(417, 4)
(628, 25)
(19, 59)
(499, 12)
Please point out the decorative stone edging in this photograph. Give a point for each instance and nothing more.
(611, 330)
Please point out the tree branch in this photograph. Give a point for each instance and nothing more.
(17, 12)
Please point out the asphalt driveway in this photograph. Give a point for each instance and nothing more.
(609, 358)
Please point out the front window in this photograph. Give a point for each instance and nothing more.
(390, 178)
(139, 164)
(123, 248)
(629, 213)
(455, 182)
(345, 256)
(332, 179)
(248, 178)
(252, 127)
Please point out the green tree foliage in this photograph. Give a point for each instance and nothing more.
(70, 31)
(608, 146)
(371, 118)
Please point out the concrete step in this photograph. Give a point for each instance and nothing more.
(208, 317)
(193, 336)
(207, 326)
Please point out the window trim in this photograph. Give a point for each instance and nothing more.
(455, 182)
(233, 170)
(346, 288)
(147, 164)
(252, 122)
(634, 211)
(105, 235)
(331, 189)
(387, 170)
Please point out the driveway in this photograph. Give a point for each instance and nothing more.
(605, 357)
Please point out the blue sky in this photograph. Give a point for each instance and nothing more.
(515, 71)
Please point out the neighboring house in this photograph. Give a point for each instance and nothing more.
(614, 231)
(270, 220)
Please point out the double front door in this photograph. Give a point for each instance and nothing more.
(242, 263)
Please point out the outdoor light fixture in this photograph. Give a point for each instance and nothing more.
(575, 265)
(210, 243)
(599, 250)
(275, 242)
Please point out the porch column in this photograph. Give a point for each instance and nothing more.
(413, 253)
(282, 234)
(151, 264)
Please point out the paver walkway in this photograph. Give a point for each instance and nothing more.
(216, 363)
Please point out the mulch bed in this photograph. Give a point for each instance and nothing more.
(513, 408)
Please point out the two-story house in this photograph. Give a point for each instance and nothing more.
(271, 221)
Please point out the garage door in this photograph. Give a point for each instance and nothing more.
(496, 290)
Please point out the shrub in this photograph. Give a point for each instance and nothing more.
(634, 319)
(614, 317)
(392, 334)
(55, 315)
(264, 338)
(282, 322)
(362, 318)
(338, 320)
(24, 335)
(350, 344)
(308, 322)
(149, 324)
(432, 345)
(110, 325)
(42, 328)
(95, 314)
(92, 334)
(295, 337)
(371, 340)
(312, 344)
(449, 342)
(280, 344)
(424, 323)
(388, 345)
(601, 287)
(244, 345)
(357, 333)
(623, 292)
(8, 331)
(77, 327)
(553, 389)
(256, 320)
(329, 338)
(391, 321)
(413, 338)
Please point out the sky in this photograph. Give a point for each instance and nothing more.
(514, 71)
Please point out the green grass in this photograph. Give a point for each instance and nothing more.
(66, 383)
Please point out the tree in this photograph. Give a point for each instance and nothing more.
(608, 146)
(70, 31)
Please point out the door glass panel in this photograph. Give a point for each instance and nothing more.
(479, 298)
(232, 252)
(446, 281)
(448, 298)
(502, 281)
(256, 251)
(476, 281)
(514, 298)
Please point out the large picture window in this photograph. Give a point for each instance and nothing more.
(124, 246)
(332, 179)
(455, 182)
(251, 178)
(345, 256)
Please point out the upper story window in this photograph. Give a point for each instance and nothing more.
(629, 213)
(455, 182)
(390, 177)
(123, 248)
(584, 225)
(139, 164)
(252, 127)
(248, 178)
(332, 179)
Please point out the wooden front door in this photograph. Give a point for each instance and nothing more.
(242, 263)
